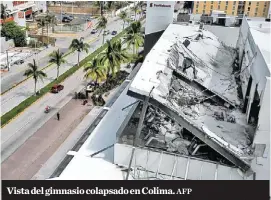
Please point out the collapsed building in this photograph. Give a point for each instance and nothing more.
(180, 117)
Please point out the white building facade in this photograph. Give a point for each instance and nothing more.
(21, 11)
(254, 58)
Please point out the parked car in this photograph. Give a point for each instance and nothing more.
(94, 31)
(114, 33)
(66, 19)
(20, 61)
(106, 32)
(57, 88)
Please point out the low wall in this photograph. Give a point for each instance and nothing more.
(6, 44)
(77, 10)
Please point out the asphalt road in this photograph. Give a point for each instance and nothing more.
(24, 90)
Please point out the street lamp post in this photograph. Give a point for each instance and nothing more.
(7, 60)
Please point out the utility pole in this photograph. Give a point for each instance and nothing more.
(7, 60)
(61, 14)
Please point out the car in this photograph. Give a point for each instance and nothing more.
(66, 19)
(106, 32)
(57, 88)
(20, 61)
(114, 33)
(94, 31)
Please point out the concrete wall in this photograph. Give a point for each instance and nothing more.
(80, 10)
(6, 44)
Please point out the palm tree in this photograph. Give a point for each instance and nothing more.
(133, 36)
(101, 5)
(57, 58)
(33, 71)
(101, 24)
(135, 8)
(4, 12)
(95, 71)
(42, 24)
(79, 46)
(123, 15)
(141, 4)
(113, 56)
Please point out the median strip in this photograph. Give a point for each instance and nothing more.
(12, 114)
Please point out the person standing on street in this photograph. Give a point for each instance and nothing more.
(58, 116)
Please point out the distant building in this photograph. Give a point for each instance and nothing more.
(249, 8)
(21, 11)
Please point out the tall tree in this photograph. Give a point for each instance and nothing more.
(79, 46)
(135, 9)
(95, 71)
(113, 56)
(123, 15)
(134, 37)
(57, 58)
(4, 12)
(187, 5)
(37, 74)
(101, 5)
(101, 25)
(42, 23)
(10, 30)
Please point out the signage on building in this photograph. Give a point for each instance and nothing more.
(160, 5)
(159, 15)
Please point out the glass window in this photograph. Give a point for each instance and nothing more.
(197, 6)
(219, 2)
(227, 2)
(233, 7)
(234, 3)
(226, 8)
(212, 2)
(204, 6)
(204, 1)
(203, 11)
(256, 10)
(247, 13)
(264, 10)
(232, 13)
(248, 9)
(218, 7)
(255, 14)
(257, 4)
(211, 7)
(197, 11)
(249, 3)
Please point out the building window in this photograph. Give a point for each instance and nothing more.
(212, 2)
(249, 3)
(233, 7)
(264, 10)
(203, 11)
(234, 3)
(255, 14)
(204, 1)
(211, 7)
(232, 13)
(204, 6)
(248, 9)
(219, 2)
(218, 7)
(257, 4)
(197, 11)
(226, 8)
(247, 13)
(197, 6)
(256, 10)
(227, 2)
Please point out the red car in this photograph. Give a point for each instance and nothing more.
(57, 88)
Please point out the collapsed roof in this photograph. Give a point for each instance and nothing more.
(189, 75)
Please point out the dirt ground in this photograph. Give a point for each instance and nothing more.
(25, 162)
